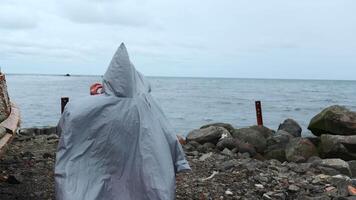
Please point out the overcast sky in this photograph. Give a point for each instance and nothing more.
(304, 39)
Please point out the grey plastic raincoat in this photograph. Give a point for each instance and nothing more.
(118, 145)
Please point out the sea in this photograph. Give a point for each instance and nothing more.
(190, 103)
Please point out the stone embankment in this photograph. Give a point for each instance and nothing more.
(259, 163)
(227, 163)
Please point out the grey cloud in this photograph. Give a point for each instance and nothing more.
(124, 13)
(13, 17)
(44, 49)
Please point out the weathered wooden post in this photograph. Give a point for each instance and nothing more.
(259, 113)
(64, 101)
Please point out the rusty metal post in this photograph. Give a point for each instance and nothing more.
(259, 113)
(64, 101)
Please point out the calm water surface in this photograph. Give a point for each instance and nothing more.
(192, 102)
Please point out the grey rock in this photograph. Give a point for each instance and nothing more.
(278, 154)
(336, 120)
(211, 134)
(266, 132)
(338, 146)
(293, 188)
(281, 138)
(328, 170)
(188, 147)
(342, 188)
(193, 153)
(52, 137)
(292, 127)
(227, 126)
(205, 156)
(253, 137)
(314, 159)
(337, 164)
(227, 152)
(229, 143)
(300, 150)
(45, 130)
(243, 147)
(194, 144)
(243, 155)
(209, 145)
(202, 149)
(228, 165)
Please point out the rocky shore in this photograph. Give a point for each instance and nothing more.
(227, 163)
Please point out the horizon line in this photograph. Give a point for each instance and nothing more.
(193, 77)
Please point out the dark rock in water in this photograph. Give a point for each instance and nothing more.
(292, 127)
(211, 134)
(253, 137)
(337, 164)
(300, 150)
(227, 126)
(338, 146)
(67, 75)
(335, 120)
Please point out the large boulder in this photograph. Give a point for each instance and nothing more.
(277, 154)
(227, 142)
(234, 143)
(280, 139)
(210, 134)
(300, 150)
(337, 164)
(227, 126)
(276, 145)
(335, 120)
(253, 137)
(266, 132)
(338, 146)
(292, 127)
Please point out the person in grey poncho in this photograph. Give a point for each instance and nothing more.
(117, 145)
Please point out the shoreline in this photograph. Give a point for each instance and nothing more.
(29, 163)
(253, 162)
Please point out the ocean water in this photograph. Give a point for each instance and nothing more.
(192, 102)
